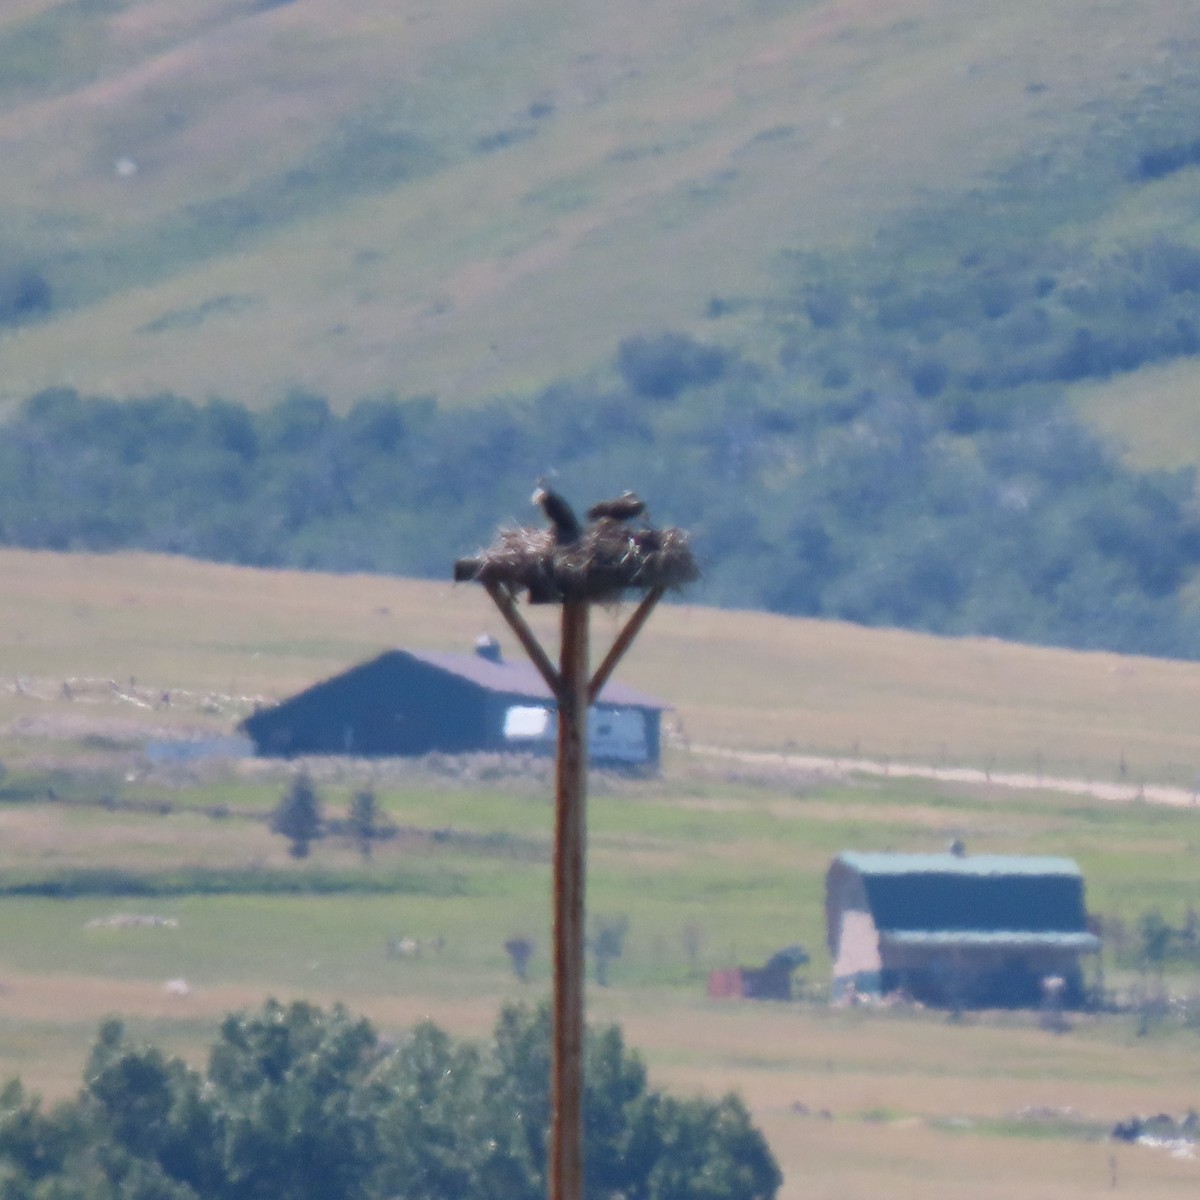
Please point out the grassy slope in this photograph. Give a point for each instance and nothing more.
(1152, 413)
(681, 145)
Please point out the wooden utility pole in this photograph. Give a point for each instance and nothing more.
(570, 850)
(575, 692)
(576, 565)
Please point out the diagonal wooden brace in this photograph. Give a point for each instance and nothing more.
(624, 640)
(508, 610)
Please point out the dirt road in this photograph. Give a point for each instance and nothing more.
(1132, 791)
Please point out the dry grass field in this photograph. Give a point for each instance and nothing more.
(713, 864)
(220, 637)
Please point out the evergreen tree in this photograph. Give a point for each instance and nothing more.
(298, 815)
(364, 820)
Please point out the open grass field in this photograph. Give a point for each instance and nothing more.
(1153, 416)
(236, 198)
(716, 863)
(709, 872)
(218, 638)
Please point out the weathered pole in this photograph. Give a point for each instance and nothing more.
(648, 561)
(574, 693)
(570, 836)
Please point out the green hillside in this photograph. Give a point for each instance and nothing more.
(236, 197)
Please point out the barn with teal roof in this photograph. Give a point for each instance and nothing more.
(958, 930)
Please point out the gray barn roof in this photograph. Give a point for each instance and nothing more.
(521, 678)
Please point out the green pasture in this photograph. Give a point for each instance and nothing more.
(705, 877)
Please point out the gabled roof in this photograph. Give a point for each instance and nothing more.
(958, 864)
(519, 678)
(962, 899)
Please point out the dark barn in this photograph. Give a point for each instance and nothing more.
(410, 702)
(957, 930)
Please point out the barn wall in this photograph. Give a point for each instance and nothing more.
(851, 933)
(653, 735)
(604, 751)
(857, 965)
(980, 976)
(435, 712)
(390, 706)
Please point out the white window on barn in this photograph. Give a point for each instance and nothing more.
(528, 723)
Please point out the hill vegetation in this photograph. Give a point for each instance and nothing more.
(879, 512)
(877, 413)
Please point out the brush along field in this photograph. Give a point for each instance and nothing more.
(125, 874)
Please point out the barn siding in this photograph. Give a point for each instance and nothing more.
(370, 711)
(858, 963)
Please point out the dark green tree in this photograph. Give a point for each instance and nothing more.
(297, 816)
(149, 1108)
(295, 1118)
(443, 1136)
(364, 820)
(637, 1141)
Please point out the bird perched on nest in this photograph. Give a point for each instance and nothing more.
(558, 512)
(623, 508)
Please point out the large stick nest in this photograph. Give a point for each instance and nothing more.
(607, 560)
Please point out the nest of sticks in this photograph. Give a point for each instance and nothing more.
(607, 560)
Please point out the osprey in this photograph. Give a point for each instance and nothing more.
(624, 508)
(558, 512)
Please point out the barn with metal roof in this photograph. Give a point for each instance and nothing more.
(957, 930)
(414, 702)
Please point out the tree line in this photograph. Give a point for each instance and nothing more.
(877, 509)
(299, 1103)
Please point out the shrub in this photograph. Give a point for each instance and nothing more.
(661, 367)
(298, 816)
(929, 378)
(24, 293)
